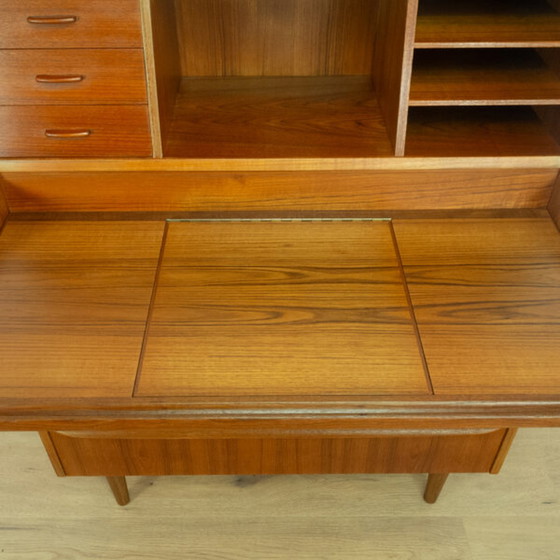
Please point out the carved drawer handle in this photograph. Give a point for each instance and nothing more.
(61, 79)
(52, 20)
(58, 133)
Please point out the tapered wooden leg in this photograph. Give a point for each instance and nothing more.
(433, 487)
(119, 488)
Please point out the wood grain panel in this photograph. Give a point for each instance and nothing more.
(4, 209)
(482, 77)
(550, 114)
(501, 456)
(554, 204)
(279, 192)
(477, 132)
(296, 308)
(486, 294)
(103, 130)
(106, 76)
(46, 440)
(393, 64)
(99, 23)
(73, 305)
(162, 58)
(4, 212)
(277, 117)
(483, 163)
(276, 37)
(119, 457)
(479, 23)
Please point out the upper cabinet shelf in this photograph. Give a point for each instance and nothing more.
(477, 132)
(263, 79)
(482, 77)
(487, 23)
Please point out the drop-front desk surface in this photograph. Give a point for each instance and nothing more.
(152, 347)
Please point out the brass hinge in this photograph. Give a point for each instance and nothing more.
(276, 220)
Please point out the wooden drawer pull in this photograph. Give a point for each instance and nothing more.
(52, 20)
(56, 133)
(62, 79)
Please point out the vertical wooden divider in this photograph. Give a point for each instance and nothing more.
(162, 66)
(392, 66)
(554, 204)
(4, 209)
(550, 114)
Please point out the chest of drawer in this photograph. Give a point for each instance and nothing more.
(70, 23)
(74, 131)
(62, 77)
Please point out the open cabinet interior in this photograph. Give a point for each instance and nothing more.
(356, 78)
(317, 78)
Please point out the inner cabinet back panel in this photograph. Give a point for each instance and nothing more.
(276, 37)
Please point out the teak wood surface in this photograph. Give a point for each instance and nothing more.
(280, 309)
(482, 23)
(262, 41)
(554, 204)
(98, 316)
(482, 77)
(65, 77)
(495, 304)
(263, 38)
(99, 456)
(99, 130)
(234, 332)
(393, 65)
(281, 193)
(74, 301)
(4, 211)
(475, 131)
(284, 117)
(98, 24)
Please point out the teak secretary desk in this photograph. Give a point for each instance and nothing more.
(279, 236)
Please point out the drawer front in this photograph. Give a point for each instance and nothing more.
(74, 131)
(63, 77)
(405, 454)
(70, 23)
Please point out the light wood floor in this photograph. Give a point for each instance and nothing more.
(512, 516)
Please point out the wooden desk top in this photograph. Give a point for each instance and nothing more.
(355, 324)
(264, 308)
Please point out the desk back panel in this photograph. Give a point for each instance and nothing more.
(280, 191)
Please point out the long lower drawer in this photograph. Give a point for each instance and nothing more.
(74, 131)
(393, 454)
